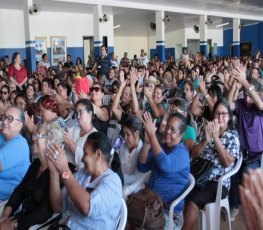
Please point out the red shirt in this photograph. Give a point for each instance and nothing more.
(18, 75)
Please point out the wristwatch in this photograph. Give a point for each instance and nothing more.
(65, 175)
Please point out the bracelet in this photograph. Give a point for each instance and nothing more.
(251, 90)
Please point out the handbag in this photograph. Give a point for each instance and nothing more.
(201, 169)
(145, 210)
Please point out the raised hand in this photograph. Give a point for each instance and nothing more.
(239, 74)
(148, 93)
(134, 76)
(201, 85)
(149, 124)
(83, 95)
(122, 79)
(57, 157)
(215, 128)
(208, 131)
(252, 199)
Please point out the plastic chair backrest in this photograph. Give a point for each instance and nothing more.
(190, 185)
(122, 216)
(227, 175)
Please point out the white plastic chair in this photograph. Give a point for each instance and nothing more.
(106, 99)
(210, 217)
(122, 216)
(190, 185)
(135, 186)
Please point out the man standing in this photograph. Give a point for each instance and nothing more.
(14, 152)
(103, 62)
(143, 59)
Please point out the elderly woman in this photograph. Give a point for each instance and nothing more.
(220, 145)
(75, 138)
(92, 197)
(168, 162)
(32, 192)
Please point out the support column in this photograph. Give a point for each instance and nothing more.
(97, 14)
(236, 37)
(160, 36)
(203, 34)
(29, 37)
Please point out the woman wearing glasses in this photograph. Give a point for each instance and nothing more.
(102, 111)
(220, 145)
(77, 135)
(14, 152)
(33, 191)
(4, 93)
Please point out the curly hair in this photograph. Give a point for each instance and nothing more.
(49, 102)
(54, 132)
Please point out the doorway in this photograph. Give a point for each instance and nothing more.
(245, 49)
(193, 46)
(88, 46)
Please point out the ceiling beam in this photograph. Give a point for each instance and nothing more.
(156, 7)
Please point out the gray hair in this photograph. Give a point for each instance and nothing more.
(55, 133)
(21, 115)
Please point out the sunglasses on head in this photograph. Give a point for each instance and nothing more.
(96, 89)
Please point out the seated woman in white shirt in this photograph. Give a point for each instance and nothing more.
(92, 196)
(77, 135)
(130, 149)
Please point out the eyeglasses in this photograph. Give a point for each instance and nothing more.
(80, 112)
(224, 114)
(96, 89)
(40, 135)
(9, 118)
(3, 92)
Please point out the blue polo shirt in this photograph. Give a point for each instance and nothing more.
(14, 158)
(170, 173)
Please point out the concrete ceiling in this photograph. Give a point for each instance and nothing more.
(135, 16)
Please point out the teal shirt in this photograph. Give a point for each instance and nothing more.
(189, 134)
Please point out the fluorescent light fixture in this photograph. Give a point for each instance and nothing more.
(114, 27)
(224, 24)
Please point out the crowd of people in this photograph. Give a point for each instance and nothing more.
(69, 151)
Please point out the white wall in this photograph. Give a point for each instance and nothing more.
(46, 24)
(12, 29)
(215, 34)
(132, 45)
(76, 25)
(73, 26)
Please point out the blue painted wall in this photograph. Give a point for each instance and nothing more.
(76, 52)
(227, 40)
(167, 51)
(73, 51)
(10, 52)
(249, 34)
